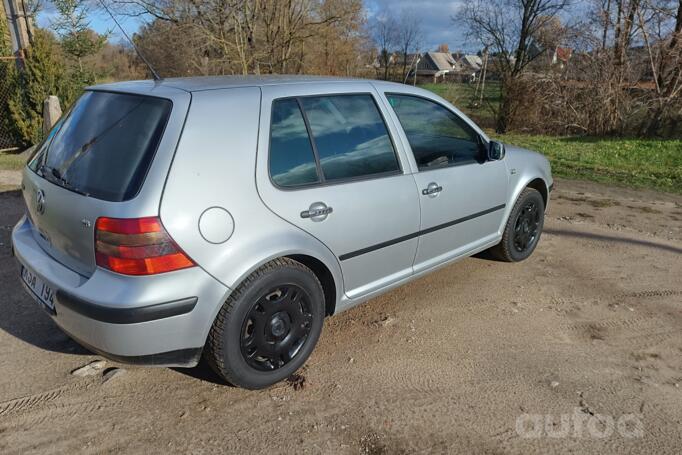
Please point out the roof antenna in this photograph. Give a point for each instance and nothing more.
(139, 54)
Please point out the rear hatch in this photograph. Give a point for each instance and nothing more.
(96, 157)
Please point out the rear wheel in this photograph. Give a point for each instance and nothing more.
(524, 226)
(268, 326)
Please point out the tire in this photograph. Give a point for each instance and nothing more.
(268, 327)
(526, 219)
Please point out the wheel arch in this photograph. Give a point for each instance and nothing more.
(325, 276)
(539, 185)
(532, 181)
(325, 267)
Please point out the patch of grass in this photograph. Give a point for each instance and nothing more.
(651, 163)
(11, 161)
(462, 96)
(638, 163)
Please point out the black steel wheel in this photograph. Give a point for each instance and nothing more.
(277, 326)
(526, 226)
(523, 229)
(268, 327)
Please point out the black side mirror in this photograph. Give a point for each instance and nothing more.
(495, 150)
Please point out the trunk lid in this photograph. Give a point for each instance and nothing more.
(92, 162)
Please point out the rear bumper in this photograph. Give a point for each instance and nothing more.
(153, 320)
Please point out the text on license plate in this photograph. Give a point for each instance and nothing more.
(41, 290)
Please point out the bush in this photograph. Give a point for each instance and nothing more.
(43, 75)
(9, 135)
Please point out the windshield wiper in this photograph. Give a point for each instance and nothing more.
(56, 177)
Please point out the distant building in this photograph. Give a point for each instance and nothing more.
(561, 56)
(471, 66)
(435, 64)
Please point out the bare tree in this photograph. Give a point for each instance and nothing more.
(248, 36)
(662, 35)
(409, 36)
(510, 27)
(385, 34)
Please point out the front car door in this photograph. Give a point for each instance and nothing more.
(462, 193)
(327, 164)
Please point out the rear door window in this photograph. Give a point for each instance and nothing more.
(317, 139)
(105, 145)
(292, 162)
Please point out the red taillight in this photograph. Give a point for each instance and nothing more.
(137, 246)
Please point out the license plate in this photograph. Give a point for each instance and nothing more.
(43, 292)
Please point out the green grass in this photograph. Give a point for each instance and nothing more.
(638, 163)
(10, 161)
(462, 96)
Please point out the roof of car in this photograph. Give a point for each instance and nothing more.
(193, 84)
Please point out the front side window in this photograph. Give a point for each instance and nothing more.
(333, 138)
(436, 135)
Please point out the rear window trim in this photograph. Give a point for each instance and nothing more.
(153, 155)
(322, 181)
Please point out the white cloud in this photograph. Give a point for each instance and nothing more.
(435, 17)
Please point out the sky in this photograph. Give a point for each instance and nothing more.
(434, 16)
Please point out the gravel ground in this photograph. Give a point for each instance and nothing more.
(576, 350)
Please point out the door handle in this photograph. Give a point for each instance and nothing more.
(318, 211)
(432, 189)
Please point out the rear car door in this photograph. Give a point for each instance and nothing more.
(462, 194)
(328, 165)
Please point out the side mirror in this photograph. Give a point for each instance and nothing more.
(495, 150)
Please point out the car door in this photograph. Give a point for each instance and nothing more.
(462, 193)
(328, 165)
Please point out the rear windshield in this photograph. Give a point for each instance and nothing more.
(105, 145)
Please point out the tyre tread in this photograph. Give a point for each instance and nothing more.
(502, 251)
(214, 343)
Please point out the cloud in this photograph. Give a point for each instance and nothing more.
(435, 17)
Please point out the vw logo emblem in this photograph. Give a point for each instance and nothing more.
(40, 202)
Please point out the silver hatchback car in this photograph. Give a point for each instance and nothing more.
(227, 217)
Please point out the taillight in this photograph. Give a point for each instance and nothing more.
(137, 246)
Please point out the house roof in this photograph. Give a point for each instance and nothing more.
(442, 60)
(564, 53)
(473, 61)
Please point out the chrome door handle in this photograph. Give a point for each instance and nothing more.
(318, 211)
(432, 189)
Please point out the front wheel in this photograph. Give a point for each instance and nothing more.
(524, 226)
(268, 326)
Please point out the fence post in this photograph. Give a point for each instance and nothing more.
(51, 113)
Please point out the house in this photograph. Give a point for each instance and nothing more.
(470, 66)
(436, 64)
(471, 63)
(561, 56)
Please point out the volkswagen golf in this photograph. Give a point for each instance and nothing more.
(226, 217)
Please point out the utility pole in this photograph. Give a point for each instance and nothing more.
(19, 24)
(485, 69)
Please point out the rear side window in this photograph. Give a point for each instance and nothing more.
(334, 138)
(106, 144)
(350, 136)
(436, 135)
(292, 162)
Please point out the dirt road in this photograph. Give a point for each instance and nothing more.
(475, 358)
